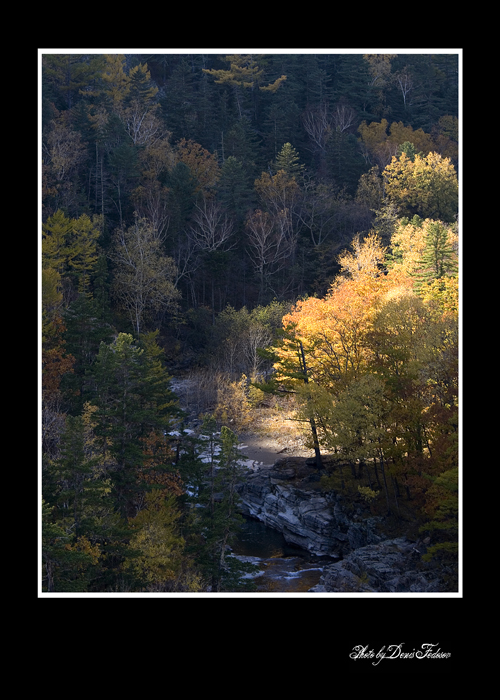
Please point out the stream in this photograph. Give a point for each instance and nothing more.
(283, 568)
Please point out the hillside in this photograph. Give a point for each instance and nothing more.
(282, 231)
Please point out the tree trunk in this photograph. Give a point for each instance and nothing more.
(317, 452)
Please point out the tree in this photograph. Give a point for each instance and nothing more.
(152, 197)
(70, 248)
(84, 252)
(115, 80)
(131, 391)
(269, 246)
(438, 258)
(318, 123)
(354, 426)
(144, 277)
(85, 329)
(157, 544)
(366, 257)
(288, 160)
(212, 228)
(63, 155)
(234, 190)
(243, 73)
(202, 164)
(426, 186)
(219, 518)
(292, 374)
(65, 560)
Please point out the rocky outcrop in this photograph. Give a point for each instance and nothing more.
(283, 497)
(391, 566)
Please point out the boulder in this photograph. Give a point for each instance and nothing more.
(390, 566)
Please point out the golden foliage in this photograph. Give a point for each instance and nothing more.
(233, 405)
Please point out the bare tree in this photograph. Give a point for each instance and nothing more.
(317, 122)
(317, 211)
(270, 244)
(212, 228)
(405, 83)
(142, 124)
(343, 117)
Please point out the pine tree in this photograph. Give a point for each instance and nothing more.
(438, 258)
(214, 473)
(131, 390)
(288, 160)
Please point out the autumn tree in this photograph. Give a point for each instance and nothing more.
(365, 257)
(70, 249)
(157, 544)
(63, 154)
(151, 197)
(202, 165)
(426, 186)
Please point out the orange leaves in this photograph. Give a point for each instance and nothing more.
(333, 330)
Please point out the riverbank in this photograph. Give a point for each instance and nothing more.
(361, 547)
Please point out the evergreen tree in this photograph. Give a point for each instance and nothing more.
(85, 329)
(438, 259)
(289, 160)
(132, 393)
(215, 472)
(234, 189)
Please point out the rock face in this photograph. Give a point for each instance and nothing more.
(283, 498)
(391, 566)
(307, 518)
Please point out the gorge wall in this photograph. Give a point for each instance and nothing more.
(287, 498)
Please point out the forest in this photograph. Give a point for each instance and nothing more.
(284, 229)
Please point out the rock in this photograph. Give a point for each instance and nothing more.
(390, 566)
(307, 518)
(284, 498)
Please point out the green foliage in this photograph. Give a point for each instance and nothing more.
(132, 394)
(214, 474)
(288, 160)
(438, 258)
(367, 494)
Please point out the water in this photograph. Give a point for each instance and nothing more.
(284, 569)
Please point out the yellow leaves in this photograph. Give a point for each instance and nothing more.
(333, 330)
(114, 76)
(442, 295)
(83, 545)
(408, 243)
(157, 541)
(427, 186)
(233, 405)
(365, 257)
(272, 87)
